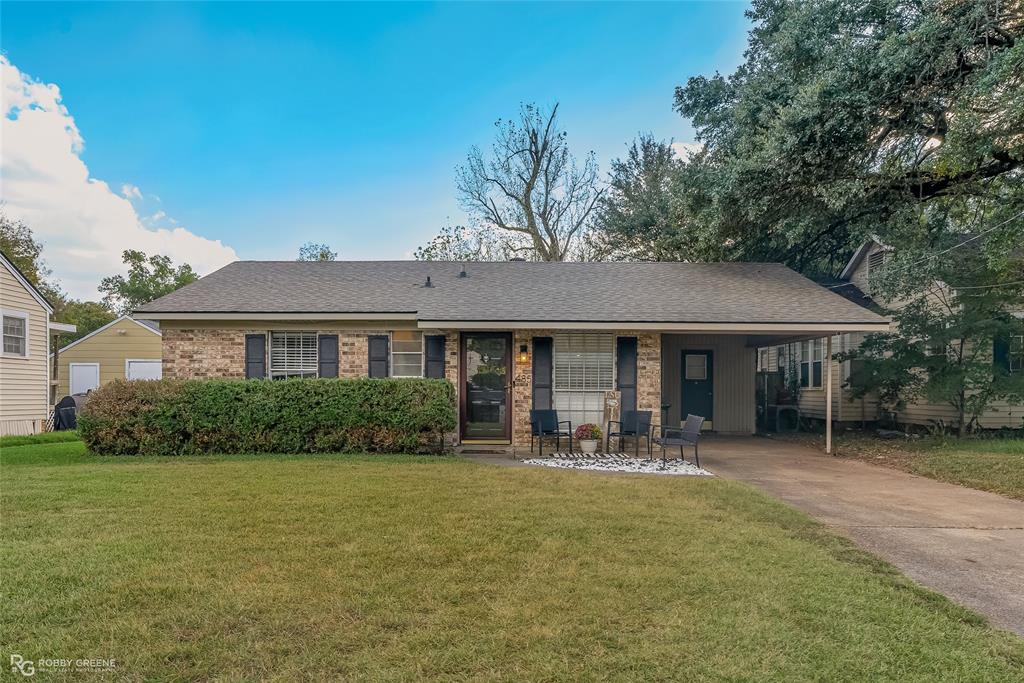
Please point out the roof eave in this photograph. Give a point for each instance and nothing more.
(270, 315)
(665, 326)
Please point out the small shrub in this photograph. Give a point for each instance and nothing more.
(175, 417)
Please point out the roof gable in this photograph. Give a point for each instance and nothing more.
(23, 281)
(144, 324)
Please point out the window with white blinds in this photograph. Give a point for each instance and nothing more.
(584, 362)
(292, 354)
(406, 353)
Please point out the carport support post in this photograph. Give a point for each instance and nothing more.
(828, 394)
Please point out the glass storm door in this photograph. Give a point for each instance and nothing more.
(486, 368)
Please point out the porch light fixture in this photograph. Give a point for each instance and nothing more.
(524, 355)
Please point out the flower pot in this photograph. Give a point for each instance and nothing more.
(588, 445)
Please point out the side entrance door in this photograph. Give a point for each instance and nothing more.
(698, 386)
(485, 400)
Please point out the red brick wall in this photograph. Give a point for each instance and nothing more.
(648, 363)
(208, 353)
(204, 353)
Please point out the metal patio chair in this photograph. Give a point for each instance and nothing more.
(545, 423)
(635, 424)
(687, 435)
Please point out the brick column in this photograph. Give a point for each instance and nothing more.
(648, 375)
(522, 388)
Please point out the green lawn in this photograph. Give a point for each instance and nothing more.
(988, 464)
(399, 568)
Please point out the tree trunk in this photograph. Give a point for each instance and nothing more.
(962, 428)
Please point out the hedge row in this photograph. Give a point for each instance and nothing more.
(176, 417)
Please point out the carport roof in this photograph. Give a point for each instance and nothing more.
(565, 294)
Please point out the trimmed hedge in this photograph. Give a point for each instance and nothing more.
(180, 417)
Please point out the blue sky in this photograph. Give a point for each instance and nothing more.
(267, 125)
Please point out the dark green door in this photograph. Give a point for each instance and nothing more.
(698, 394)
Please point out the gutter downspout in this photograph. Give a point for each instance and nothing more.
(828, 395)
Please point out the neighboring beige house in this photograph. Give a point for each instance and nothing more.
(669, 338)
(855, 283)
(125, 348)
(24, 365)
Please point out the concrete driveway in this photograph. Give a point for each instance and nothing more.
(966, 544)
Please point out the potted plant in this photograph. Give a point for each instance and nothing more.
(587, 436)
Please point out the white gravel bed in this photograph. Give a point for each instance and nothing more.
(618, 462)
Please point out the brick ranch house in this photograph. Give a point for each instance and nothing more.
(671, 338)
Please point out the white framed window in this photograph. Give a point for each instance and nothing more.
(15, 333)
(583, 369)
(935, 349)
(407, 353)
(1017, 353)
(811, 356)
(293, 354)
(584, 362)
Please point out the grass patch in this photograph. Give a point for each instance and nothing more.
(44, 437)
(404, 568)
(987, 464)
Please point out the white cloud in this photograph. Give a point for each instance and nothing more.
(685, 150)
(84, 224)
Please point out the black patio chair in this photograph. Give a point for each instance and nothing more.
(635, 424)
(545, 423)
(687, 435)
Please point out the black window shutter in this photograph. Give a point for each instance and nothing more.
(625, 371)
(327, 355)
(542, 362)
(435, 356)
(379, 354)
(1001, 353)
(255, 356)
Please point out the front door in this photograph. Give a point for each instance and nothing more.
(485, 396)
(698, 394)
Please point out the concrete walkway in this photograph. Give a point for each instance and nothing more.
(966, 544)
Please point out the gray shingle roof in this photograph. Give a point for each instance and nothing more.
(519, 291)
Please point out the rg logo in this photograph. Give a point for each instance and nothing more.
(23, 666)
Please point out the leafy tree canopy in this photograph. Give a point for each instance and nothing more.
(312, 251)
(847, 119)
(149, 278)
(461, 243)
(20, 247)
(86, 316)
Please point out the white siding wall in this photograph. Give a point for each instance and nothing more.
(845, 408)
(734, 366)
(925, 413)
(24, 381)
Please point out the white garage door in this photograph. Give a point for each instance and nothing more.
(144, 369)
(84, 377)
